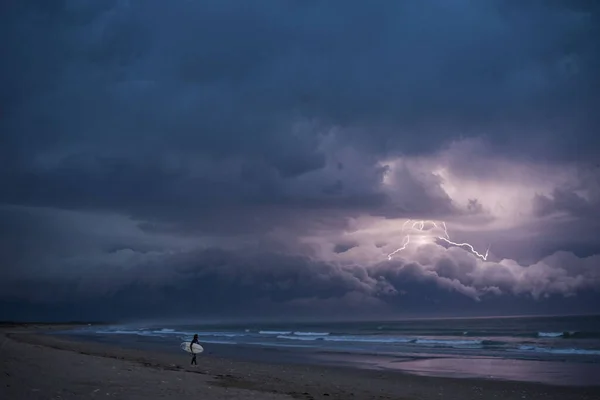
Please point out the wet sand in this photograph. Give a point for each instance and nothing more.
(49, 367)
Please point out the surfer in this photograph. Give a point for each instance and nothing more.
(194, 341)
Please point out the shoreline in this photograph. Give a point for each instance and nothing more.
(295, 381)
(424, 364)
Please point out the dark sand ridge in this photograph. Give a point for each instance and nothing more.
(49, 367)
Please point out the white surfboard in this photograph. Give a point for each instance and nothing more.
(196, 348)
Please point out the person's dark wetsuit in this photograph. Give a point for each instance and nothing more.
(194, 341)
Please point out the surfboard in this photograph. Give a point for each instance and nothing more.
(185, 346)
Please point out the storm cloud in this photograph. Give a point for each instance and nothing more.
(264, 156)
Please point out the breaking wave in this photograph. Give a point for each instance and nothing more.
(570, 335)
(297, 333)
(388, 340)
(538, 349)
(311, 333)
(350, 339)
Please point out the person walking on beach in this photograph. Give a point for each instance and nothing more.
(194, 341)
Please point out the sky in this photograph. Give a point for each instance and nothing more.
(252, 160)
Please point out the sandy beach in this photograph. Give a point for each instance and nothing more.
(36, 366)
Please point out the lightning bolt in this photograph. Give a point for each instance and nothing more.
(406, 242)
(482, 256)
(420, 224)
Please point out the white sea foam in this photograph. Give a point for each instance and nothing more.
(349, 339)
(169, 332)
(450, 343)
(311, 333)
(126, 332)
(550, 334)
(212, 341)
(221, 334)
(289, 337)
(369, 339)
(539, 349)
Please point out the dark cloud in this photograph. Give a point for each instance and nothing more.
(563, 201)
(236, 282)
(142, 99)
(344, 247)
(580, 198)
(146, 148)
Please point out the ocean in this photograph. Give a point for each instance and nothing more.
(543, 349)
